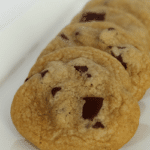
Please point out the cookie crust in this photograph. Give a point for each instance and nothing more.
(40, 105)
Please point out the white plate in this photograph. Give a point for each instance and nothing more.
(10, 10)
(21, 45)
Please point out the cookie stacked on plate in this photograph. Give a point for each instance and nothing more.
(83, 91)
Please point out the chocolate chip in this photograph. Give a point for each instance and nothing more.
(120, 47)
(64, 36)
(91, 107)
(89, 75)
(90, 16)
(77, 33)
(110, 47)
(43, 73)
(55, 90)
(81, 68)
(26, 79)
(98, 125)
(109, 29)
(119, 58)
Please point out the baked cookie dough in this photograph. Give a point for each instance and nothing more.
(87, 52)
(92, 35)
(125, 47)
(78, 99)
(139, 8)
(134, 61)
(103, 13)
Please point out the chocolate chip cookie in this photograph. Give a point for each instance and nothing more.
(130, 51)
(103, 13)
(135, 61)
(95, 33)
(139, 8)
(76, 99)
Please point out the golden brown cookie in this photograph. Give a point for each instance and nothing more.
(130, 51)
(135, 61)
(103, 13)
(67, 37)
(139, 8)
(76, 100)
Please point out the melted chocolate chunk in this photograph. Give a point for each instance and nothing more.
(26, 79)
(55, 90)
(77, 33)
(64, 36)
(43, 73)
(109, 29)
(81, 68)
(91, 107)
(120, 47)
(98, 125)
(89, 75)
(110, 47)
(119, 58)
(90, 16)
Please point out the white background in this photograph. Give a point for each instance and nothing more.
(10, 10)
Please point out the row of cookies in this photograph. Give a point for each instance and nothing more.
(83, 90)
(112, 39)
(103, 26)
(140, 9)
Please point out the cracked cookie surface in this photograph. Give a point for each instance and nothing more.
(76, 100)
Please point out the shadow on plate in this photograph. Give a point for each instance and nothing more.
(23, 144)
(141, 134)
(142, 106)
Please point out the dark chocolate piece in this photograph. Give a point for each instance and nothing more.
(64, 36)
(88, 75)
(91, 16)
(26, 79)
(81, 68)
(43, 73)
(91, 107)
(98, 125)
(77, 33)
(119, 58)
(110, 47)
(55, 90)
(109, 29)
